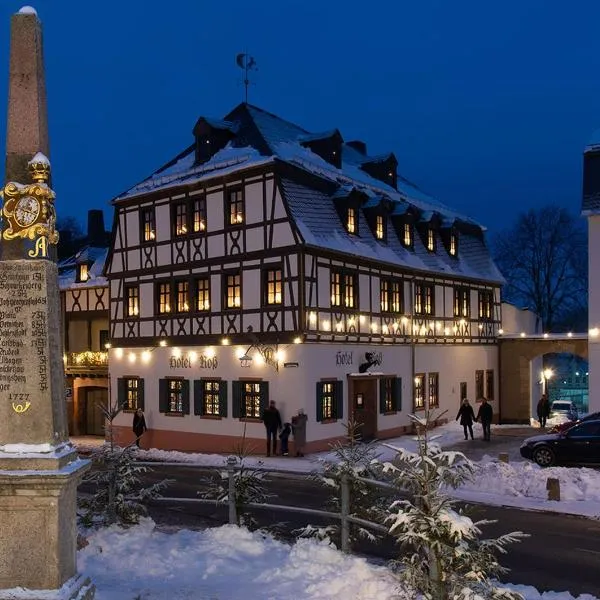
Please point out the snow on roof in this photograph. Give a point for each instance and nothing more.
(94, 257)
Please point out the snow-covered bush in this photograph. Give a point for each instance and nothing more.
(119, 493)
(443, 555)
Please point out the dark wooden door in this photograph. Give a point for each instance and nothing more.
(94, 420)
(364, 403)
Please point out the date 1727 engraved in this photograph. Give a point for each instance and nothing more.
(19, 402)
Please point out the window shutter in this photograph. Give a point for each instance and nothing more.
(264, 396)
(236, 400)
(397, 393)
(185, 390)
(382, 395)
(163, 395)
(198, 398)
(338, 398)
(222, 398)
(141, 402)
(319, 400)
(122, 392)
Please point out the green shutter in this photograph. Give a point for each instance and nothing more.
(141, 402)
(382, 395)
(122, 392)
(198, 398)
(319, 400)
(397, 393)
(222, 398)
(338, 399)
(185, 390)
(236, 400)
(264, 396)
(163, 395)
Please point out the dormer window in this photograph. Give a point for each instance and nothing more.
(211, 136)
(430, 239)
(383, 168)
(327, 145)
(453, 246)
(407, 235)
(351, 225)
(83, 273)
(380, 227)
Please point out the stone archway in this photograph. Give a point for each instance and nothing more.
(516, 354)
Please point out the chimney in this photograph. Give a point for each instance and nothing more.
(358, 146)
(96, 233)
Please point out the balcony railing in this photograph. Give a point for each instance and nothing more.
(86, 360)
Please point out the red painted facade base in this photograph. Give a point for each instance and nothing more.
(226, 444)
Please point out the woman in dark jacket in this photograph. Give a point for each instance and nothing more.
(139, 425)
(467, 416)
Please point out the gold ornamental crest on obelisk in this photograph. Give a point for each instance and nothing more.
(29, 209)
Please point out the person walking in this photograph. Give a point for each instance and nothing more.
(272, 420)
(466, 414)
(139, 425)
(543, 410)
(284, 436)
(299, 431)
(484, 415)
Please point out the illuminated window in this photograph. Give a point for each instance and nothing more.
(433, 392)
(274, 286)
(199, 214)
(233, 290)
(132, 391)
(211, 397)
(329, 400)
(164, 298)
(180, 218)
(392, 298)
(236, 207)
(202, 294)
(343, 289)
(390, 394)
(407, 235)
(83, 272)
(424, 299)
(419, 391)
(453, 249)
(351, 220)
(380, 227)
(132, 300)
(148, 224)
(486, 305)
(182, 294)
(336, 288)
(462, 302)
(175, 398)
(251, 395)
(430, 239)
(349, 290)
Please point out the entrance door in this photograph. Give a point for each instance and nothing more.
(364, 406)
(94, 419)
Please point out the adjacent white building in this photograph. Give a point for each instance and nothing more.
(266, 262)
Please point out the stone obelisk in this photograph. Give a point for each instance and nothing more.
(39, 468)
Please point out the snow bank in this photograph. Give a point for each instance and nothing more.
(230, 563)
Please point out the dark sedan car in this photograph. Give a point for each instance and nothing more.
(569, 424)
(579, 445)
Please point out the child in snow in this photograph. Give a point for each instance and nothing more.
(284, 436)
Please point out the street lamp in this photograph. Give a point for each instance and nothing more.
(245, 360)
(547, 373)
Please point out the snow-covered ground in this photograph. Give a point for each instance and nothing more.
(230, 563)
(519, 484)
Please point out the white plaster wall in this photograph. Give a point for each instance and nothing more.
(516, 320)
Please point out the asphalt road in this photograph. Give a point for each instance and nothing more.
(562, 552)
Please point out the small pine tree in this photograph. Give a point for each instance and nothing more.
(354, 459)
(445, 557)
(119, 494)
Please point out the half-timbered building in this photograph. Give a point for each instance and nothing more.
(85, 304)
(267, 262)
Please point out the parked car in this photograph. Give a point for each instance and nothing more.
(565, 409)
(579, 445)
(568, 424)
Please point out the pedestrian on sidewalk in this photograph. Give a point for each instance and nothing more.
(139, 425)
(272, 420)
(543, 410)
(485, 415)
(284, 436)
(299, 431)
(466, 414)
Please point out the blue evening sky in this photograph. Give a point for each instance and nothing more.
(487, 105)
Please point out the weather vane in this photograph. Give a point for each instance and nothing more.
(247, 63)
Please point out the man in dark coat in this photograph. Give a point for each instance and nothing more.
(139, 425)
(543, 410)
(467, 416)
(485, 414)
(272, 420)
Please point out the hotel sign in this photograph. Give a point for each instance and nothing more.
(201, 362)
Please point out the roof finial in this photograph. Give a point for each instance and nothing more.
(247, 63)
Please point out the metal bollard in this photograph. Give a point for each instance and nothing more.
(503, 457)
(345, 511)
(553, 487)
(231, 464)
